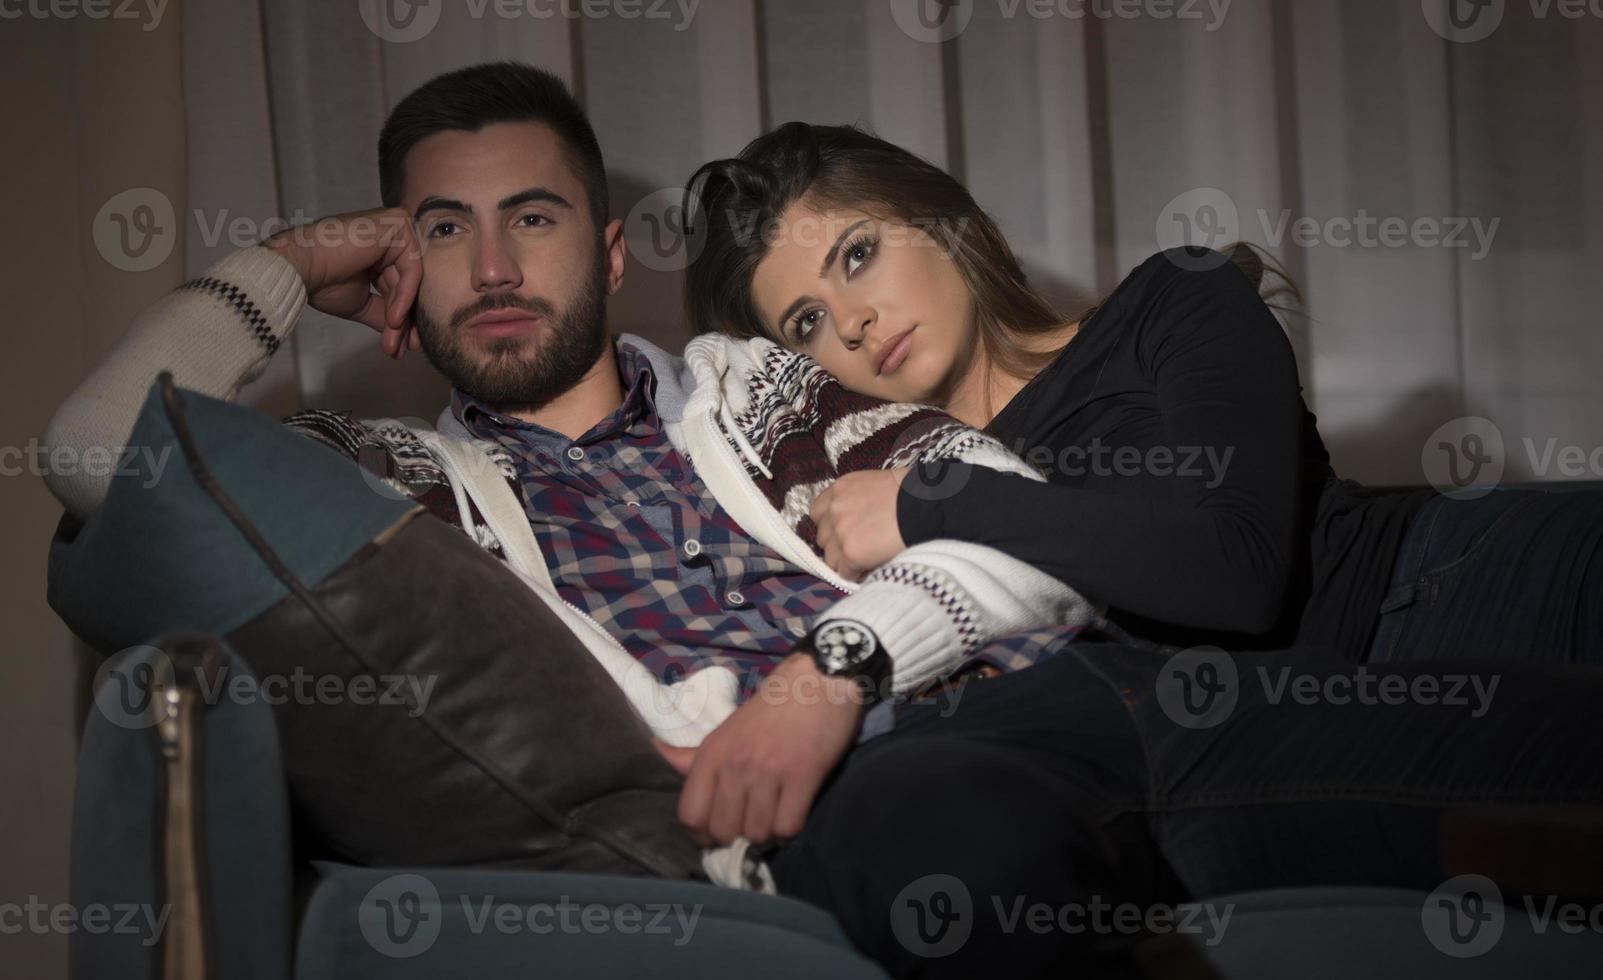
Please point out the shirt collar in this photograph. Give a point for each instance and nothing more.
(639, 404)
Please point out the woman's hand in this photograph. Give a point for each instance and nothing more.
(856, 519)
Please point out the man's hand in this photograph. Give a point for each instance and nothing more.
(756, 775)
(364, 266)
(856, 519)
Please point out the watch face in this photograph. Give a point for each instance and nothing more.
(843, 644)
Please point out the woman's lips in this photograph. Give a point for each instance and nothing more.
(899, 349)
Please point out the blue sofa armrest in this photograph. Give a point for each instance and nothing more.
(492, 924)
(1387, 934)
(180, 823)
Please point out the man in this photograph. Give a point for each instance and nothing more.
(493, 256)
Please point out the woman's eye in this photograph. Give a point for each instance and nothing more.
(805, 324)
(859, 254)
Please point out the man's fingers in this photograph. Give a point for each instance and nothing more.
(680, 757)
(761, 803)
(695, 801)
(372, 314)
(728, 813)
(790, 812)
(408, 276)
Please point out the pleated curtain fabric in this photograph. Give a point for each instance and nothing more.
(1437, 197)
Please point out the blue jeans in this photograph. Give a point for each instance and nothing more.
(1513, 575)
(1119, 775)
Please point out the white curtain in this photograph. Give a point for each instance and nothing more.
(1093, 136)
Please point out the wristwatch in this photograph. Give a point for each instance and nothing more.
(848, 648)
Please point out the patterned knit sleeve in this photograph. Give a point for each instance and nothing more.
(214, 333)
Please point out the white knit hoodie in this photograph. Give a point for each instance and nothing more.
(931, 606)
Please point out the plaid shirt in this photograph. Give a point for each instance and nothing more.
(635, 539)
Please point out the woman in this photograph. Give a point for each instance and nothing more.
(1188, 484)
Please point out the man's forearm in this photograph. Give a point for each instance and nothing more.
(214, 333)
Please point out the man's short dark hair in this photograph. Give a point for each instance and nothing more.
(498, 92)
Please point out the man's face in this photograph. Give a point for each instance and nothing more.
(512, 304)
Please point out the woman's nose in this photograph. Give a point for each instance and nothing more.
(853, 327)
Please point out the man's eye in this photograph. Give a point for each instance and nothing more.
(534, 220)
(442, 229)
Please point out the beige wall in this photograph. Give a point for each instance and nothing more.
(91, 108)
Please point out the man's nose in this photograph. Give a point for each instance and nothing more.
(495, 266)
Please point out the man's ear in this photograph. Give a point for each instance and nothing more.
(612, 241)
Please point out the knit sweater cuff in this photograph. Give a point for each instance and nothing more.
(938, 603)
(263, 292)
(214, 333)
(922, 638)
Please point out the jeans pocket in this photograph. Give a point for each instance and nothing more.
(1481, 539)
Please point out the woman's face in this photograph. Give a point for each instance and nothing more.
(878, 304)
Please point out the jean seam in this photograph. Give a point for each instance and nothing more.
(1481, 542)
(1409, 576)
(1147, 804)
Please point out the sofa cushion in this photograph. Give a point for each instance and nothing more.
(427, 923)
(432, 709)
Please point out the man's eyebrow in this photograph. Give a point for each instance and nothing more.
(439, 204)
(542, 194)
(823, 270)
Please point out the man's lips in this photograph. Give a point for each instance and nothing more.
(504, 323)
(896, 350)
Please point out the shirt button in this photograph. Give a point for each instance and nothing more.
(575, 453)
(735, 599)
(692, 548)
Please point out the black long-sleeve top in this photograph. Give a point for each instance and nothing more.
(1188, 486)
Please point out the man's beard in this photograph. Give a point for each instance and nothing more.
(525, 373)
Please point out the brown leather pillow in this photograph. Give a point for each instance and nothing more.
(503, 741)
(432, 709)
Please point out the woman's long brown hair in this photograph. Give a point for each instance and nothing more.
(734, 206)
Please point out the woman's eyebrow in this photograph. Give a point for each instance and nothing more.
(790, 310)
(823, 270)
(834, 250)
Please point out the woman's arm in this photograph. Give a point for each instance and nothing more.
(1214, 553)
